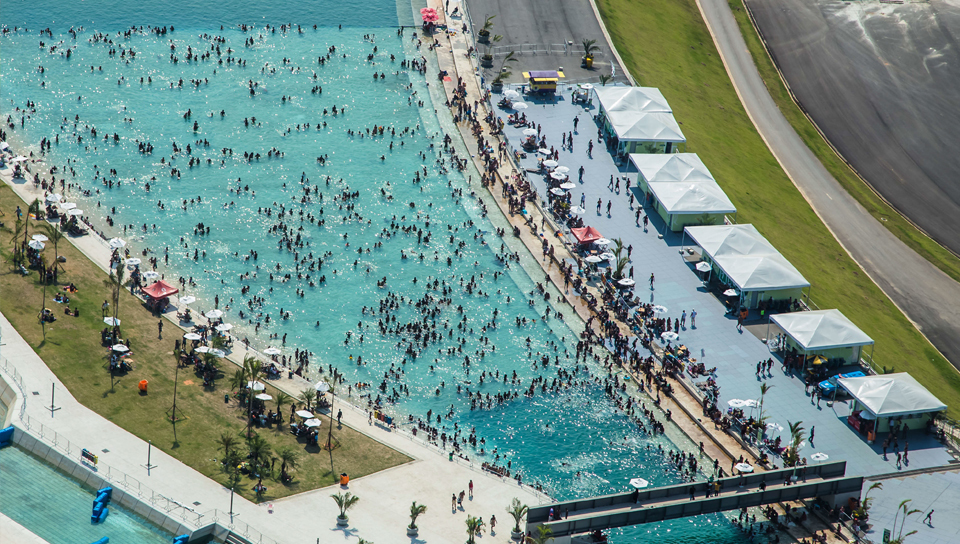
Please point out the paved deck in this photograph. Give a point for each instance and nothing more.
(940, 492)
(15, 533)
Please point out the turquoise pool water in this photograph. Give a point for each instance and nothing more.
(573, 441)
(57, 508)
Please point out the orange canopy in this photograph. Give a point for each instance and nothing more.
(585, 235)
(161, 289)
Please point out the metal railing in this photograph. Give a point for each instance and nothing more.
(236, 526)
(534, 49)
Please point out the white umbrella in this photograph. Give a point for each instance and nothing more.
(586, 86)
(730, 292)
(189, 299)
(703, 266)
(774, 427)
(4, 145)
(550, 163)
(670, 336)
(305, 413)
(18, 158)
(111, 321)
(577, 210)
(735, 403)
(544, 151)
(256, 386)
(529, 132)
(562, 169)
(511, 93)
(39, 238)
(224, 327)
(35, 244)
(203, 349)
(568, 185)
(743, 467)
(751, 403)
(627, 282)
(867, 415)
(556, 176)
(192, 336)
(602, 242)
(312, 422)
(520, 105)
(272, 351)
(68, 206)
(151, 275)
(52, 197)
(217, 352)
(607, 256)
(660, 309)
(133, 261)
(263, 396)
(120, 347)
(213, 314)
(556, 190)
(593, 259)
(639, 483)
(819, 456)
(75, 212)
(801, 445)
(116, 243)
(322, 387)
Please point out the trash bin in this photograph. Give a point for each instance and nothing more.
(344, 479)
(143, 386)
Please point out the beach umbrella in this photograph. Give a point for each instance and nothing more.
(213, 314)
(660, 309)
(593, 259)
(743, 467)
(586, 86)
(670, 336)
(568, 185)
(544, 151)
(556, 190)
(116, 243)
(216, 352)
(4, 146)
(38, 245)
(18, 158)
(272, 351)
(256, 386)
(192, 336)
(557, 176)
(113, 322)
(133, 261)
(52, 197)
(529, 132)
(263, 396)
(322, 386)
(151, 275)
(577, 210)
(819, 456)
(730, 292)
(68, 206)
(513, 93)
(607, 256)
(603, 242)
(189, 299)
(520, 105)
(312, 422)
(774, 427)
(703, 266)
(75, 212)
(751, 403)
(305, 414)
(39, 238)
(639, 483)
(867, 415)
(735, 403)
(627, 282)
(203, 349)
(120, 348)
(224, 327)
(562, 169)
(550, 163)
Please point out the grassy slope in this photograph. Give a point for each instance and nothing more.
(72, 350)
(667, 45)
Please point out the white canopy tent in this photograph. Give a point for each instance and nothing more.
(701, 201)
(826, 332)
(890, 397)
(616, 98)
(748, 261)
(639, 118)
(673, 167)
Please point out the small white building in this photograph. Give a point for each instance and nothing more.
(822, 332)
(639, 119)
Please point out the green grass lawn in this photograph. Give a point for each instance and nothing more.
(71, 348)
(667, 45)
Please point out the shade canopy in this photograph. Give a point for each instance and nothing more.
(586, 235)
(670, 167)
(631, 99)
(160, 289)
(892, 395)
(746, 257)
(693, 197)
(821, 329)
(646, 127)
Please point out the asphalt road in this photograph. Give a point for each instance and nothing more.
(925, 294)
(546, 24)
(883, 83)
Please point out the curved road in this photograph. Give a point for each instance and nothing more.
(930, 298)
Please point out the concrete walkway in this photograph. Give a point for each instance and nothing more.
(15, 533)
(928, 297)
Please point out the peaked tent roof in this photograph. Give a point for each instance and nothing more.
(822, 329)
(636, 99)
(726, 240)
(646, 127)
(892, 395)
(161, 289)
(746, 257)
(585, 235)
(671, 167)
(692, 198)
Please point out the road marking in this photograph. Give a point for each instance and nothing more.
(828, 196)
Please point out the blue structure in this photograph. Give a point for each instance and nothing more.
(100, 510)
(6, 437)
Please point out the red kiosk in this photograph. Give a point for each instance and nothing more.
(158, 295)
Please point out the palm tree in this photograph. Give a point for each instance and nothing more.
(504, 74)
(345, 501)
(288, 459)
(517, 510)
(604, 79)
(863, 511)
(796, 437)
(227, 443)
(239, 380)
(416, 510)
(53, 232)
(282, 400)
(473, 527)
(764, 387)
(544, 535)
(253, 368)
(115, 283)
(259, 450)
(307, 396)
(18, 228)
(329, 444)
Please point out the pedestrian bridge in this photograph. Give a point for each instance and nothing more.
(826, 481)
